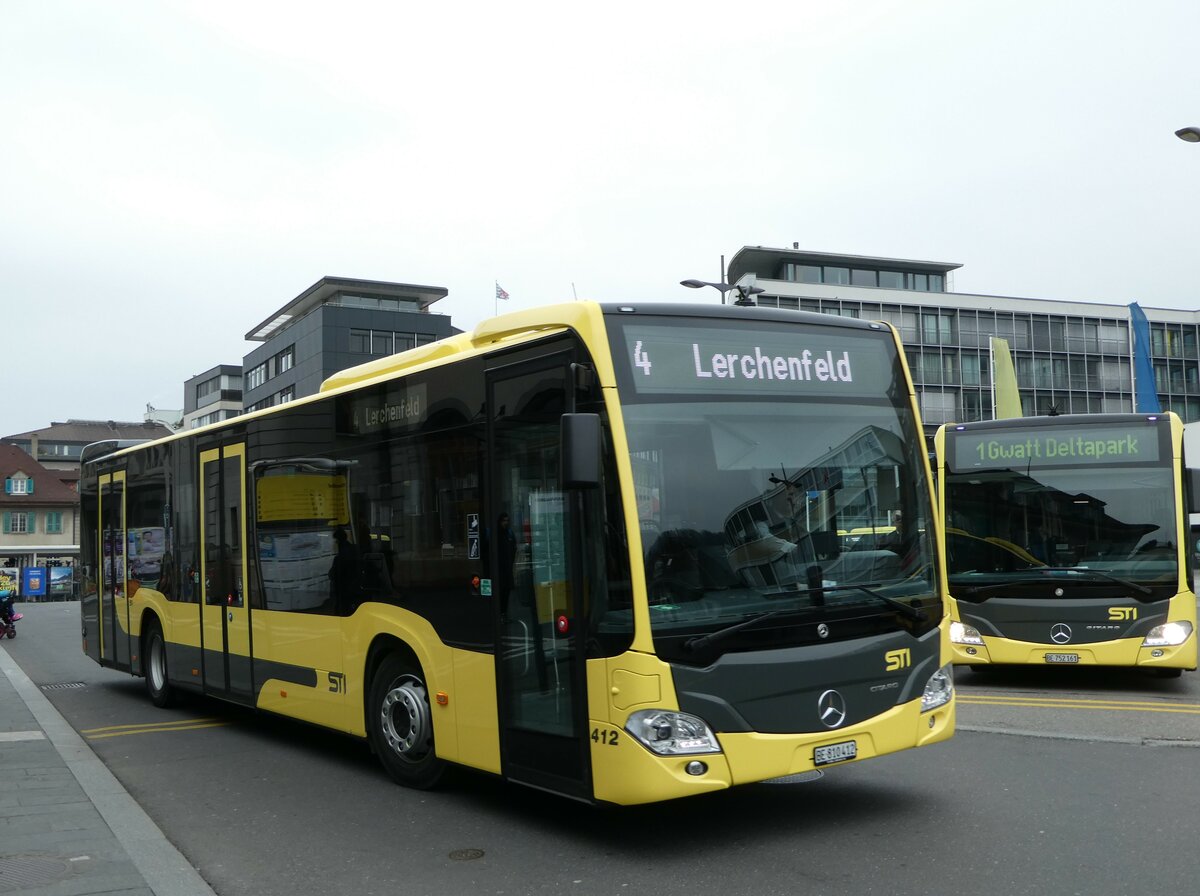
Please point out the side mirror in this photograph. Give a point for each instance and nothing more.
(580, 434)
(1192, 488)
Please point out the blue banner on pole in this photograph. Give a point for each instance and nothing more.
(1145, 394)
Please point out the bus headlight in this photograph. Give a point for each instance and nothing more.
(1169, 634)
(670, 733)
(961, 633)
(939, 689)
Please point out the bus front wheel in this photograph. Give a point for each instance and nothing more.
(154, 654)
(401, 726)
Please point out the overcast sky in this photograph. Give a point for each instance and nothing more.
(174, 172)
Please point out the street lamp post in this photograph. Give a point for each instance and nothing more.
(1189, 134)
(744, 291)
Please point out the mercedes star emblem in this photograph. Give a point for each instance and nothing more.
(1060, 633)
(831, 708)
(822, 630)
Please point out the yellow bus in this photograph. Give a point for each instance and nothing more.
(1067, 541)
(521, 550)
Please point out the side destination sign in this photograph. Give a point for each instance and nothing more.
(1080, 447)
(786, 360)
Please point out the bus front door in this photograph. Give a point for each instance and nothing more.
(539, 664)
(225, 617)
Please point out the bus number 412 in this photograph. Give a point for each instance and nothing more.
(605, 736)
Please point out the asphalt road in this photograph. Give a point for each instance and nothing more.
(1074, 782)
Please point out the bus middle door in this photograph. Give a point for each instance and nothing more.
(115, 643)
(223, 574)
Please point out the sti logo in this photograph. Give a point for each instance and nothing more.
(1122, 614)
(898, 659)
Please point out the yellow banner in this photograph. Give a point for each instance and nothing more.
(1004, 376)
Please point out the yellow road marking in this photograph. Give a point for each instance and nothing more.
(1072, 703)
(151, 728)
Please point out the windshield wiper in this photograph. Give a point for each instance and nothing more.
(701, 641)
(910, 612)
(867, 588)
(1069, 570)
(1099, 574)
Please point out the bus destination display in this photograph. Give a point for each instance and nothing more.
(1097, 445)
(705, 360)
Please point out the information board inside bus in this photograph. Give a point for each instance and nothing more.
(302, 496)
(1055, 447)
(708, 360)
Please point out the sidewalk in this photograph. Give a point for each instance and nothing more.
(67, 826)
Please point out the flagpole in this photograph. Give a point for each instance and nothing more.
(992, 363)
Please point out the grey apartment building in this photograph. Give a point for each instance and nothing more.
(1070, 357)
(336, 323)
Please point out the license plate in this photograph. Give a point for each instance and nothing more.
(1062, 657)
(847, 749)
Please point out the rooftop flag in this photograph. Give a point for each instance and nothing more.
(500, 293)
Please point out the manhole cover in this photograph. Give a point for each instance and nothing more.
(24, 872)
(63, 686)
(465, 855)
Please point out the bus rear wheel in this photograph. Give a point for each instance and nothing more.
(154, 653)
(401, 724)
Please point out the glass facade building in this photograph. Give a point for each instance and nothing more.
(1070, 357)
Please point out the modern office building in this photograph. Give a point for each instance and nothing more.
(212, 396)
(1070, 357)
(334, 324)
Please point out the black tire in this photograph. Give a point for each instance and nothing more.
(154, 664)
(400, 724)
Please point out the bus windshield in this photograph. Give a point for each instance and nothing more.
(1065, 512)
(746, 498)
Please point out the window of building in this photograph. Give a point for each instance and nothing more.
(937, 329)
(19, 522)
(837, 275)
(381, 342)
(54, 525)
(256, 377)
(353, 301)
(939, 407)
(286, 359)
(286, 395)
(860, 277)
(917, 281)
(891, 279)
(360, 341)
(806, 273)
(971, 374)
(950, 368)
(1113, 339)
(19, 484)
(975, 405)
